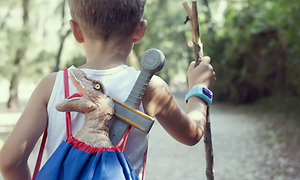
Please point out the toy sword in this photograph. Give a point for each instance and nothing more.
(126, 113)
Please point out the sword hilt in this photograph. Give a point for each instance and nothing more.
(153, 61)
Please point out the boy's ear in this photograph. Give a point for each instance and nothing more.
(140, 32)
(78, 35)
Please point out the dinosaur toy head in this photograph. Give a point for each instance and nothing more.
(91, 96)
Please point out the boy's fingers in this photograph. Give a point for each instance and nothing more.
(192, 65)
(206, 59)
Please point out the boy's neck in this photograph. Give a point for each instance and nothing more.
(106, 54)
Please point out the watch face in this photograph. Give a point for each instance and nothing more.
(207, 93)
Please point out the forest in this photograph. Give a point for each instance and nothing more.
(254, 45)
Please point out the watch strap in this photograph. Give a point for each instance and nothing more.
(202, 92)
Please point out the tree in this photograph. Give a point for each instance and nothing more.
(19, 58)
(257, 52)
(167, 32)
(28, 41)
(63, 33)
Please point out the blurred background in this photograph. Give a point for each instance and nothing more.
(254, 46)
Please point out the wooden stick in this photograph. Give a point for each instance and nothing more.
(192, 17)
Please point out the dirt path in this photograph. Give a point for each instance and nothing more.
(245, 148)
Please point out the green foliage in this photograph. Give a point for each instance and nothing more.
(167, 32)
(40, 37)
(76, 61)
(256, 52)
(14, 37)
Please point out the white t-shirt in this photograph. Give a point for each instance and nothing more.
(118, 82)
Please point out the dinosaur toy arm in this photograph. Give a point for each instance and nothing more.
(78, 104)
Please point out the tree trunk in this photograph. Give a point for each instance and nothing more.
(13, 101)
(58, 56)
(62, 35)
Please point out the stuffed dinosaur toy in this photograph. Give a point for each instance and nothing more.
(96, 104)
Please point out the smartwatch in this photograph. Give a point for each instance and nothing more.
(202, 92)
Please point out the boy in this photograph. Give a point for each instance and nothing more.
(107, 31)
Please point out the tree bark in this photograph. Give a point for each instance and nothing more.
(13, 101)
(62, 36)
(208, 149)
(60, 49)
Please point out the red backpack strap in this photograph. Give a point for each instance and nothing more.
(69, 129)
(122, 142)
(40, 155)
(67, 94)
(145, 154)
(144, 163)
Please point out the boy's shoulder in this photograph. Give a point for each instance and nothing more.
(45, 86)
(49, 80)
(157, 89)
(50, 77)
(157, 82)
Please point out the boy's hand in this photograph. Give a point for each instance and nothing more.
(202, 75)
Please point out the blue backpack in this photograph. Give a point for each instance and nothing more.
(74, 160)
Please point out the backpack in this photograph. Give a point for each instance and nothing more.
(75, 160)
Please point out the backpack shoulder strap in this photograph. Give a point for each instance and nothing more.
(40, 155)
(69, 129)
(67, 94)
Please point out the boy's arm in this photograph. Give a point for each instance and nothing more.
(21, 141)
(186, 126)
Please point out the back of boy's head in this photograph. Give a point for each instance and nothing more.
(102, 19)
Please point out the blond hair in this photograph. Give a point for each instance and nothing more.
(105, 18)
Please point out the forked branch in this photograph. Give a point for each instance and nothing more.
(192, 17)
